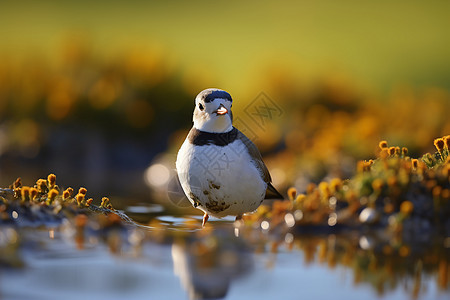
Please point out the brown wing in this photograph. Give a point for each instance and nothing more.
(271, 192)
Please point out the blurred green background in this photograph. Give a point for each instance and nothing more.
(95, 91)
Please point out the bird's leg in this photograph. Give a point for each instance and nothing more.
(238, 217)
(205, 219)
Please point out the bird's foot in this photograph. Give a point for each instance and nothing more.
(205, 219)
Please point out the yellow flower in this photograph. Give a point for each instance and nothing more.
(439, 144)
(80, 198)
(41, 186)
(335, 185)
(445, 194)
(33, 193)
(17, 183)
(364, 166)
(436, 191)
(404, 151)
(82, 191)
(105, 202)
(300, 198)
(377, 184)
(404, 251)
(392, 181)
(262, 210)
(51, 180)
(389, 208)
(292, 193)
(67, 193)
(25, 193)
(51, 196)
(382, 145)
(323, 187)
(415, 163)
(406, 207)
(391, 150)
(447, 141)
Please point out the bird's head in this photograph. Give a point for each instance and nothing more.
(212, 111)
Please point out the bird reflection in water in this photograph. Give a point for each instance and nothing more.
(207, 264)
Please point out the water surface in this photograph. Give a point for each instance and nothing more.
(172, 257)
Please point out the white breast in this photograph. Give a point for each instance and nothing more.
(219, 180)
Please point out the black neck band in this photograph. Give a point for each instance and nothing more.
(201, 138)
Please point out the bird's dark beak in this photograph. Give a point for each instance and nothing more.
(221, 110)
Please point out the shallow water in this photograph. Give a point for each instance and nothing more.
(174, 258)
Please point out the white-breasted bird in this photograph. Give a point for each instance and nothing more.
(220, 170)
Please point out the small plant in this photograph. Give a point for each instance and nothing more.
(384, 192)
(46, 198)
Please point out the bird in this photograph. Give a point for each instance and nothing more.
(220, 170)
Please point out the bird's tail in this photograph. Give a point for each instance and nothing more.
(272, 193)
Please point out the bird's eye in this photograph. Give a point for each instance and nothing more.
(200, 106)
